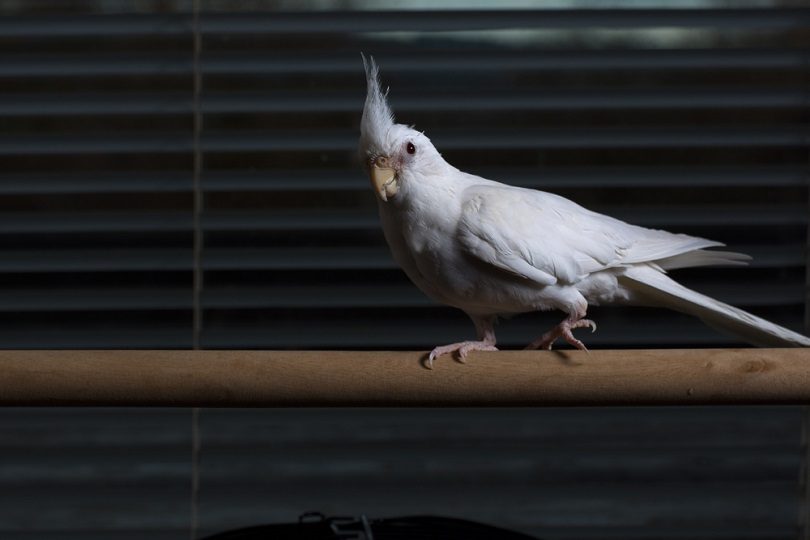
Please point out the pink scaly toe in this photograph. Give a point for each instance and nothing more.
(463, 348)
(563, 330)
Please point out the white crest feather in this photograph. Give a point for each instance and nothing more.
(377, 116)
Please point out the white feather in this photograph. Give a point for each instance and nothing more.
(657, 289)
(377, 119)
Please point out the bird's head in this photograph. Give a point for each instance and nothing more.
(393, 154)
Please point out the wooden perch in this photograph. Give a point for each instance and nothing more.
(371, 378)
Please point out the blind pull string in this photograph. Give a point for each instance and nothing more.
(197, 262)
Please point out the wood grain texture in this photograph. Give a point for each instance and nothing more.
(371, 378)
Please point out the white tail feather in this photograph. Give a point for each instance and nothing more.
(703, 257)
(654, 287)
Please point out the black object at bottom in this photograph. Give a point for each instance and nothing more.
(315, 526)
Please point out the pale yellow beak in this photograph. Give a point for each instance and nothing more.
(383, 178)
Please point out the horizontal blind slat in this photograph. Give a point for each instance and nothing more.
(460, 20)
(262, 141)
(124, 25)
(387, 297)
(274, 259)
(95, 299)
(466, 61)
(340, 179)
(100, 63)
(323, 102)
(560, 138)
(670, 215)
(130, 24)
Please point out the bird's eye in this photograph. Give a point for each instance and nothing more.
(411, 148)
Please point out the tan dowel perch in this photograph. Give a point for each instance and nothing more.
(373, 378)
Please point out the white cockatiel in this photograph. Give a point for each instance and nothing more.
(492, 249)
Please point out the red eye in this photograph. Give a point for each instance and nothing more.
(411, 148)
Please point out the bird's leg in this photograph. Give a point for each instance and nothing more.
(484, 327)
(563, 330)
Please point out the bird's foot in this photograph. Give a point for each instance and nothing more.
(462, 349)
(563, 330)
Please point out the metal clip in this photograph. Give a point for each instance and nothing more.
(349, 528)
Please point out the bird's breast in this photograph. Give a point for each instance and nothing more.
(423, 247)
(428, 253)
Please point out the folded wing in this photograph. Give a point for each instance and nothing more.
(548, 239)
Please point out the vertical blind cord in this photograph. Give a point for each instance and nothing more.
(197, 173)
(197, 256)
(195, 472)
(804, 474)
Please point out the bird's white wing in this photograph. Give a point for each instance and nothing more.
(549, 239)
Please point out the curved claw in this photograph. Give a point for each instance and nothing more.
(563, 330)
(431, 357)
(461, 349)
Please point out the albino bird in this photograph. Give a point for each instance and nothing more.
(493, 250)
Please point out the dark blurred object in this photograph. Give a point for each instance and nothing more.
(315, 526)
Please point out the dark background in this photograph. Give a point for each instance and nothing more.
(692, 119)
